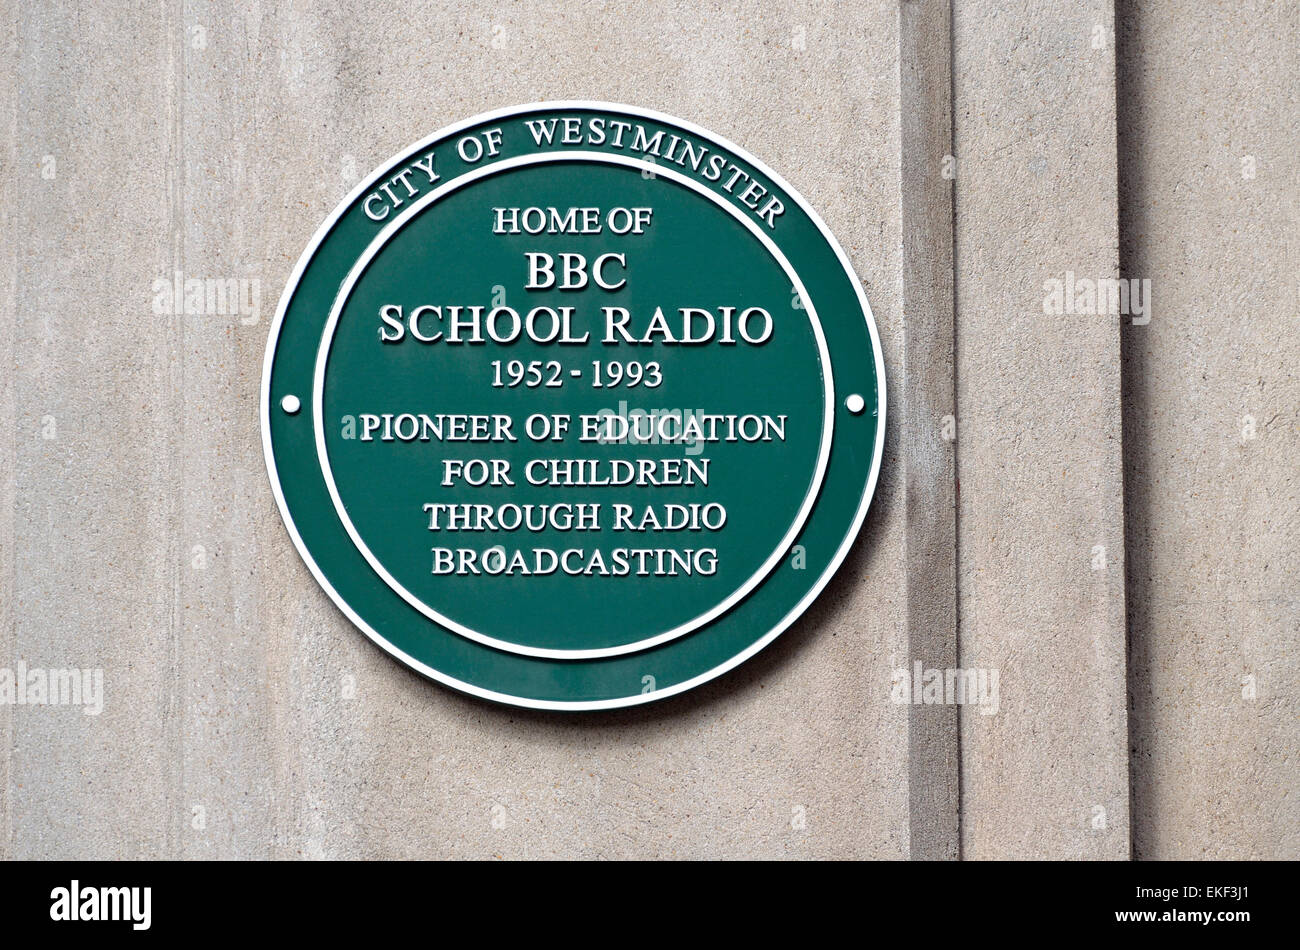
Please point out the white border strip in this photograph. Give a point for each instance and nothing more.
(579, 705)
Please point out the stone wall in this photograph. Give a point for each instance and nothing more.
(1041, 471)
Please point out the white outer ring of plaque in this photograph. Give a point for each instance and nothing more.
(636, 698)
(392, 228)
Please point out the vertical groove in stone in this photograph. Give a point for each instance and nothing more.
(8, 410)
(927, 415)
(1128, 191)
(174, 249)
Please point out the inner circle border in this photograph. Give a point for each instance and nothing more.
(576, 705)
(389, 232)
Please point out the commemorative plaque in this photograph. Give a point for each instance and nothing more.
(573, 406)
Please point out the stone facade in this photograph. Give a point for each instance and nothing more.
(1100, 507)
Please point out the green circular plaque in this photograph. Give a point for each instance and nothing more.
(573, 406)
